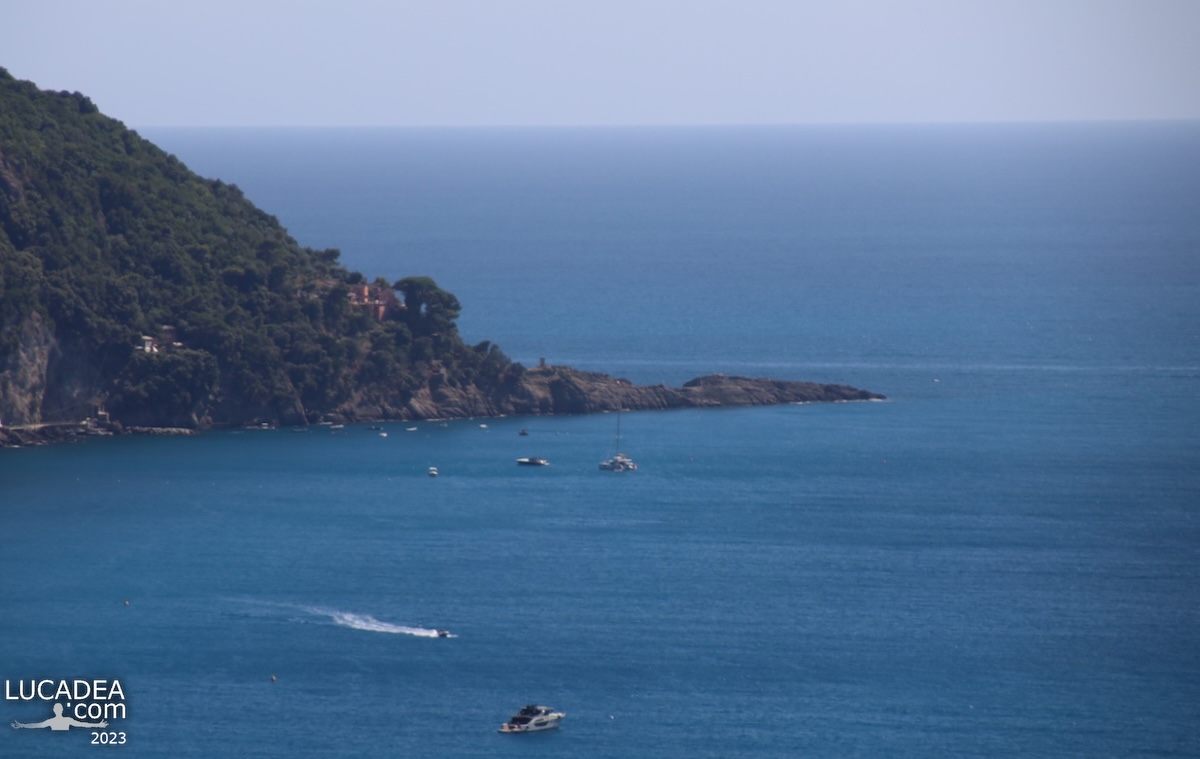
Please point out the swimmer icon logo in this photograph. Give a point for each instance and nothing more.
(59, 722)
(89, 704)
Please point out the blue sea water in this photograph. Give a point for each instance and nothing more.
(1002, 559)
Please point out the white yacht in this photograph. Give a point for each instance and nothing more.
(531, 719)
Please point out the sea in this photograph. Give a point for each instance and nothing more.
(1002, 559)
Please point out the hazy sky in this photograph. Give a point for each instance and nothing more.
(509, 62)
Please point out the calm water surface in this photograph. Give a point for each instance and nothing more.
(1003, 559)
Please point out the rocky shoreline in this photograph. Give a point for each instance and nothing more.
(545, 390)
(48, 434)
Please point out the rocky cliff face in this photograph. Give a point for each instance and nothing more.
(23, 372)
(44, 379)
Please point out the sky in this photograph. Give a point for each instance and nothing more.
(154, 63)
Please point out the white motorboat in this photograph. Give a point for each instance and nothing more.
(531, 719)
(433, 471)
(533, 461)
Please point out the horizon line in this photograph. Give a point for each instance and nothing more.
(690, 125)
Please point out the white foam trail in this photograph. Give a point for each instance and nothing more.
(370, 624)
(367, 622)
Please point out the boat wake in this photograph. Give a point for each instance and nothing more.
(370, 624)
(340, 618)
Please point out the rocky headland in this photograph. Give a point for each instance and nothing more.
(139, 297)
(565, 390)
(544, 390)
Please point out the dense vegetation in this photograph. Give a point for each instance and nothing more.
(104, 239)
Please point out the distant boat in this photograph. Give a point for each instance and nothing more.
(620, 462)
(524, 432)
(531, 719)
(533, 461)
(433, 471)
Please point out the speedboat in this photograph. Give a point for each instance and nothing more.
(531, 719)
(533, 461)
(433, 471)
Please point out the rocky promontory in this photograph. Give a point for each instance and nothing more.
(564, 390)
(139, 297)
(545, 390)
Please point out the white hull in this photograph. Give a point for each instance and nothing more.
(618, 463)
(532, 727)
(533, 719)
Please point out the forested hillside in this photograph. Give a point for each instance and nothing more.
(130, 283)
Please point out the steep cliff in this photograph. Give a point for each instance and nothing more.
(132, 286)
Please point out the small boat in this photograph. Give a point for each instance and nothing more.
(533, 461)
(524, 432)
(443, 633)
(433, 472)
(619, 462)
(531, 719)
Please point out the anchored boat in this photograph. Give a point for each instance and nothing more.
(620, 462)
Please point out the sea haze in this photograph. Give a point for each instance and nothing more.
(999, 560)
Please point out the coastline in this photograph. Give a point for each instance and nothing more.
(543, 391)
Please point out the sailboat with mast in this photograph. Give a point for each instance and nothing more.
(620, 462)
